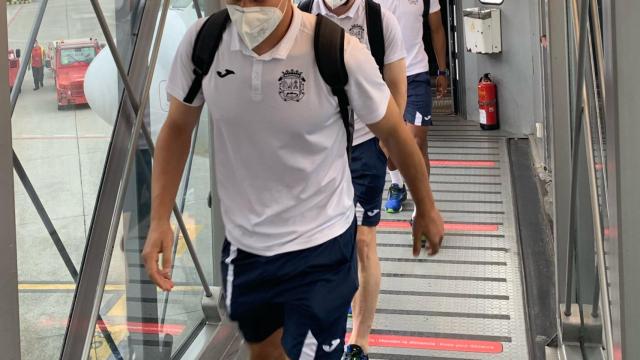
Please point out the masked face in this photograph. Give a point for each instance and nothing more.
(335, 3)
(256, 23)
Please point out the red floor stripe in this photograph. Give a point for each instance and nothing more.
(151, 328)
(132, 327)
(463, 163)
(409, 342)
(447, 226)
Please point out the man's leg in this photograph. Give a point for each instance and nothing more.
(418, 116)
(317, 297)
(269, 349)
(420, 134)
(368, 169)
(248, 303)
(36, 83)
(366, 299)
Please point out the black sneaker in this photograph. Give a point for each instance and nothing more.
(354, 352)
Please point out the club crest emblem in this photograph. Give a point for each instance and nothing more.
(357, 30)
(413, 2)
(292, 85)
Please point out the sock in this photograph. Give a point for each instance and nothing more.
(396, 178)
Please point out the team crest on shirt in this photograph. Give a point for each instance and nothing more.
(413, 2)
(292, 85)
(357, 30)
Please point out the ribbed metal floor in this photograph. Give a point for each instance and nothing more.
(467, 302)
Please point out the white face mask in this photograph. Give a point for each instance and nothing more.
(335, 3)
(256, 23)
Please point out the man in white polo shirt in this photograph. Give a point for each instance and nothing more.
(368, 165)
(283, 179)
(417, 114)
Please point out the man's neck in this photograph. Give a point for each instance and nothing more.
(278, 34)
(342, 9)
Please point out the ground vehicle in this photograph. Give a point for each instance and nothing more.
(69, 61)
(14, 66)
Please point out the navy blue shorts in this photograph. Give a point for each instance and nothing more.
(368, 174)
(305, 292)
(419, 100)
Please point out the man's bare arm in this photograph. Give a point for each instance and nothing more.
(395, 75)
(439, 41)
(405, 154)
(172, 150)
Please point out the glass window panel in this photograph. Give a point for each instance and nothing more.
(145, 322)
(62, 140)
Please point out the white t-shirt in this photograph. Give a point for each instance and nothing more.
(409, 15)
(355, 23)
(279, 142)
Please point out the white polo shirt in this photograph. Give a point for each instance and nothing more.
(279, 141)
(355, 23)
(409, 15)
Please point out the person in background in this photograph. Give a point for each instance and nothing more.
(417, 113)
(37, 65)
(369, 162)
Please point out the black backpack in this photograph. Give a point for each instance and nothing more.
(328, 41)
(375, 31)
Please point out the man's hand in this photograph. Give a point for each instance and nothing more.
(159, 241)
(442, 85)
(429, 225)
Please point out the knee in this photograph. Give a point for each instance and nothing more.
(270, 349)
(267, 352)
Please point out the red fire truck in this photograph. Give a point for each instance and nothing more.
(69, 61)
(14, 66)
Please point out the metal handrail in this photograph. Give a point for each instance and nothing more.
(135, 105)
(587, 94)
(577, 117)
(597, 59)
(132, 146)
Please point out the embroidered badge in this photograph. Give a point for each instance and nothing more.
(292, 85)
(357, 30)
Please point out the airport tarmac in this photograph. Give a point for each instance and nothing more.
(63, 153)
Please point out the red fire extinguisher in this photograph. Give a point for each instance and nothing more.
(488, 103)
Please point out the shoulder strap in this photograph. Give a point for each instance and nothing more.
(375, 32)
(329, 52)
(204, 50)
(306, 6)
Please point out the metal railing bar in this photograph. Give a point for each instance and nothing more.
(147, 136)
(577, 127)
(183, 201)
(602, 290)
(196, 6)
(121, 193)
(596, 298)
(589, 97)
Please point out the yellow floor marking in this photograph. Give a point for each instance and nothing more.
(112, 287)
(118, 332)
(193, 228)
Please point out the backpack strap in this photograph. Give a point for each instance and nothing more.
(204, 50)
(329, 52)
(375, 32)
(306, 5)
